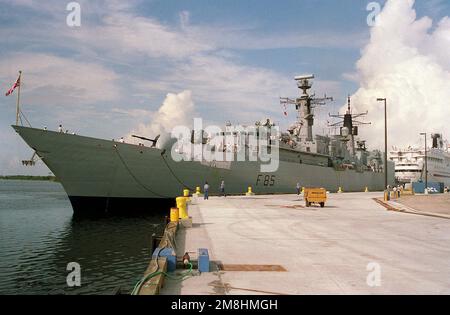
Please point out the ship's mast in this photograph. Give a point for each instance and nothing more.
(349, 126)
(305, 105)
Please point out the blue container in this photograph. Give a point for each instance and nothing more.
(419, 187)
(203, 260)
(171, 256)
(433, 187)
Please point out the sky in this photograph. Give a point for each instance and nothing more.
(218, 60)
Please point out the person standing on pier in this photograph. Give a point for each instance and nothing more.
(299, 188)
(222, 189)
(206, 190)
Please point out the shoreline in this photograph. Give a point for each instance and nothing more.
(28, 177)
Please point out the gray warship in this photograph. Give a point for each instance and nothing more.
(107, 176)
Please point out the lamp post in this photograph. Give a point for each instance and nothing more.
(385, 141)
(426, 162)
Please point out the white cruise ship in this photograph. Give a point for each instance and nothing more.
(410, 162)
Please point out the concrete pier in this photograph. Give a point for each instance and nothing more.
(331, 250)
(436, 204)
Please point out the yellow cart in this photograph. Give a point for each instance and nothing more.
(315, 195)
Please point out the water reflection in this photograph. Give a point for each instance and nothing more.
(113, 252)
(39, 236)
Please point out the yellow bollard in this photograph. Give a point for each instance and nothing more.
(174, 214)
(182, 206)
(186, 194)
(303, 190)
(386, 195)
(339, 190)
(366, 190)
(249, 191)
(197, 190)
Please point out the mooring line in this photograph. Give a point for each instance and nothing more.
(135, 178)
(179, 181)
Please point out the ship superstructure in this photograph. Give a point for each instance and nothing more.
(343, 150)
(410, 162)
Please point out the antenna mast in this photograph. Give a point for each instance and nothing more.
(305, 105)
(349, 126)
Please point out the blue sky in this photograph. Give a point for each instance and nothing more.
(113, 72)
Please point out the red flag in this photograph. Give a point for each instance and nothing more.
(16, 84)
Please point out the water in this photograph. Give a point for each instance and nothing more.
(39, 236)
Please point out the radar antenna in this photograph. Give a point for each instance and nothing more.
(305, 105)
(349, 126)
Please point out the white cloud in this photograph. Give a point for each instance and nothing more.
(55, 81)
(123, 33)
(242, 93)
(408, 64)
(192, 56)
(176, 110)
(134, 112)
(351, 76)
(225, 37)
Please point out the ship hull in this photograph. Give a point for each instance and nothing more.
(105, 176)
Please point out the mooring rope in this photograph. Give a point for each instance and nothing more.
(135, 178)
(176, 177)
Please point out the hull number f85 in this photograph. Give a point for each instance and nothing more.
(265, 180)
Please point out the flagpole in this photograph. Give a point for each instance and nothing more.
(18, 99)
